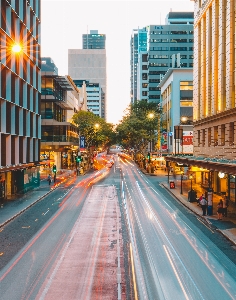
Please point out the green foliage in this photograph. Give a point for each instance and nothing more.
(139, 126)
(95, 129)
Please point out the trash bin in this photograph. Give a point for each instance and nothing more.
(172, 185)
(192, 196)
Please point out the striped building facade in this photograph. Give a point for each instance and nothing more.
(20, 86)
(214, 79)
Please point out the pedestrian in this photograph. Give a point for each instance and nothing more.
(225, 205)
(49, 179)
(203, 203)
(220, 209)
(199, 199)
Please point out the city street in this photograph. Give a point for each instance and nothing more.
(114, 234)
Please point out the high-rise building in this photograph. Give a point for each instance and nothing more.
(165, 43)
(20, 76)
(138, 48)
(214, 103)
(94, 40)
(94, 95)
(90, 65)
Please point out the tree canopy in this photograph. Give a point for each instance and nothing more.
(95, 129)
(139, 126)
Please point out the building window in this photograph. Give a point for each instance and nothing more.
(154, 96)
(144, 85)
(179, 48)
(144, 93)
(222, 137)
(178, 40)
(215, 135)
(144, 67)
(144, 57)
(198, 137)
(158, 65)
(231, 133)
(186, 85)
(203, 137)
(209, 136)
(159, 48)
(178, 32)
(144, 76)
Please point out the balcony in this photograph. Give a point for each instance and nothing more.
(59, 139)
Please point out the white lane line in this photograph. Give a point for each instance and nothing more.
(176, 273)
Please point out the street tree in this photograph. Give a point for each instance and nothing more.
(96, 130)
(139, 126)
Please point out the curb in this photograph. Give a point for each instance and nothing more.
(30, 205)
(204, 220)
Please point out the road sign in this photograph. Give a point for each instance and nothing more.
(82, 142)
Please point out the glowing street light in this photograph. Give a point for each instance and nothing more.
(151, 115)
(16, 48)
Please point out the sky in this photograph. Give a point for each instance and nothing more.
(64, 21)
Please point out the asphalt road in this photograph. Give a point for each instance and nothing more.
(176, 255)
(117, 234)
(67, 246)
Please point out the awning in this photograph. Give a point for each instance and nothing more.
(209, 163)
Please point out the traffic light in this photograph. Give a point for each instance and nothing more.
(54, 168)
(149, 157)
(79, 158)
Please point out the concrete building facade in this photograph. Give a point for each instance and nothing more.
(90, 65)
(177, 111)
(213, 163)
(20, 85)
(60, 99)
(214, 79)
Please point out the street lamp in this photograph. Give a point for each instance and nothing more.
(16, 48)
(181, 183)
(191, 178)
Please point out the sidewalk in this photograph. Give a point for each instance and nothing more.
(14, 207)
(227, 226)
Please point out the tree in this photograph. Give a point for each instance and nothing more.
(95, 130)
(139, 126)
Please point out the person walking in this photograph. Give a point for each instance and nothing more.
(220, 209)
(199, 200)
(49, 179)
(203, 203)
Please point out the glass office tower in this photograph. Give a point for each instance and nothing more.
(20, 82)
(94, 40)
(174, 39)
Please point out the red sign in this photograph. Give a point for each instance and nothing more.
(187, 140)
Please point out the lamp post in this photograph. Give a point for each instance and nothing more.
(181, 182)
(191, 178)
(151, 117)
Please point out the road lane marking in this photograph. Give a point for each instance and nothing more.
(133, 273)
(176, 273)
